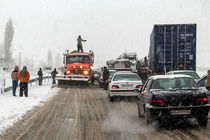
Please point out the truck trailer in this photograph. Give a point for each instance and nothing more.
(172, 47)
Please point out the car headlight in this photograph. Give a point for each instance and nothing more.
(68, 72)
(86, 72)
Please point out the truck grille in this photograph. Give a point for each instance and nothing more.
(76, 72)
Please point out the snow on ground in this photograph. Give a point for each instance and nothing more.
(13, 108)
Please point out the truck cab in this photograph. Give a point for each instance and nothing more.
(77, 66)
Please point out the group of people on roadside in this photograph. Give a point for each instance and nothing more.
(23, 76)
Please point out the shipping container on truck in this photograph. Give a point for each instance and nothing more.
(172, 47)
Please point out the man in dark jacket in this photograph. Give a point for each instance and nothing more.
(79, 43)
(106, 78)
(53, 74)
(40, 74)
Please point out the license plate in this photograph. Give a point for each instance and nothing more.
(127, 85)
(180, 112)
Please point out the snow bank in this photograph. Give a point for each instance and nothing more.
(13, 108)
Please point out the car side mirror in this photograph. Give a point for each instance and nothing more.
(139, 90)
(208, 88)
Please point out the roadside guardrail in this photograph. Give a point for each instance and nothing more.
(30, 82)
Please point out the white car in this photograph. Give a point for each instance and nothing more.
(191, 73)
(124, 83)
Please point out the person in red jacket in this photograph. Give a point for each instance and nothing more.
(14, 77)
(24, 77)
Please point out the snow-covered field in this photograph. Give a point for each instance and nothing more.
(12, 108)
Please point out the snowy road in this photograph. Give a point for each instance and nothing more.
(86, 113)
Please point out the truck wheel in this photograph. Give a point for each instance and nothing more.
(203, 121)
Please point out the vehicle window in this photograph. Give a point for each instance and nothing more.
(146, 87)
(194, 75)
(77, 59)
(111, 73)
(202, 83)
(174, 83)
(126, 77)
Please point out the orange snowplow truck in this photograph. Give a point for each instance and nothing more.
(77, 68)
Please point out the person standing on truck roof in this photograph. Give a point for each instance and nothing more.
(79, 43)
(106, 78)
(53, 74)
(24, 77)
(40, 74)
(14, 77)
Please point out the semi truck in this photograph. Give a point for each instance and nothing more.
(172, 47)
(77, 68)
(119, 64)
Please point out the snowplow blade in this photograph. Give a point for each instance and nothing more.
(73, 80)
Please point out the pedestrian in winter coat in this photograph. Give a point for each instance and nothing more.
(79, 43)
(53, 74)
(40, 74)
(14, 77)
(208, 81)
(106, 77)
(24, 77)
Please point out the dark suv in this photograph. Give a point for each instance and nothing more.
(168, 97)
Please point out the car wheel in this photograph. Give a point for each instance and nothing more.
(147, 117)
(203, 121)
(111, 98)
(139, 114)
(100, 84)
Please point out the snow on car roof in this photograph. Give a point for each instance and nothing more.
(112, 70)
(124, 72)
(170, 76)
(181, 71)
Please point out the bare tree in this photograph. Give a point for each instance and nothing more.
(49, 58)
(8, 36)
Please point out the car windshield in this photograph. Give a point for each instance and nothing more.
(174, 83)
(126, 77)
(194, 75)
(77, 59)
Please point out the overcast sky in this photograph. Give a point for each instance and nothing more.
(111, 27)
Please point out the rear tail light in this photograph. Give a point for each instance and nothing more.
(139, 86)
(102, 79)
(114, 87)
(199, 100)
(160, 102)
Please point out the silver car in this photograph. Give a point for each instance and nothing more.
(124, 83)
